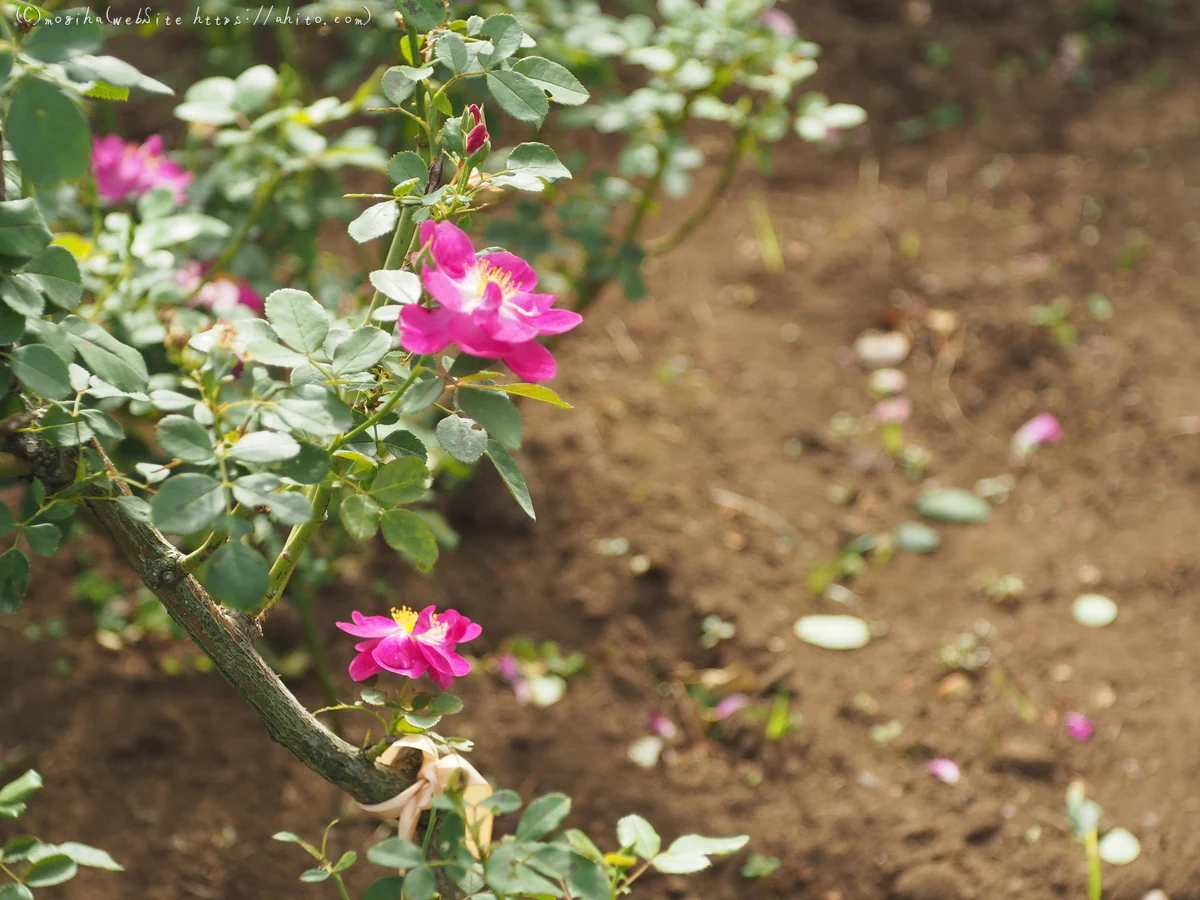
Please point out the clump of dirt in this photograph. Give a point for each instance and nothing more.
(734, 379)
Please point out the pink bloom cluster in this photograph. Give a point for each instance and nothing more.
(486, 305)
(125, 170)
(222, 294)
(411, 644)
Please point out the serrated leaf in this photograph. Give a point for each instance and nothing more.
(537, 392)
(554, 79)
(400, 481)
(396, 853)
(237, 575)
(402, 443)
(119, 364)
(55, 274)
(364, 348)
(399, 82)
(187, 503)
(505, 33)
(408, 535)
(518, 96)
(695, 843)
(21, 297)
(542, 816)
(298, 319)
(494, 412)
(424, 15)
(43, 538)
(50, 871)
(135, 508)
(639, 835)
(42, 371)
(102, 90)
(513, 479)
(360, 516)
(254, 87)
(397, 286)
(271, 354)
(452, 52)
(47, 132)
(115, 72)
(21, 789)
(92, 857)
(186, 439)
(314, 876)
(57, 43)
(264, 448)
(405, 166)
(375, 221)
(461, 439)
(23, 232)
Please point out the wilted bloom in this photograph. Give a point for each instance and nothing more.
(411, 644)
(486, 306)
(125, 170)
(222, 294)
(779, 22)
(508, 667)
(945, 770)
(478, 134)
(729, 705)
(1043, 429)
(1078, 726)
(894, 411)
(662, 725)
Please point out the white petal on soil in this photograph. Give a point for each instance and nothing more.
(1094, 610)
(833, 632)
(1119, 847)
(645, 751)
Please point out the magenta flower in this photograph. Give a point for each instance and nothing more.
(478, 134)
(662, 725)
(1078, 726)
(1043, 429)
(125, 170)
(486, 306)
(946, 770)
(779, 22)
(222, 294)
(411, 644)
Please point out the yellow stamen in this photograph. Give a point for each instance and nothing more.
(405, 618)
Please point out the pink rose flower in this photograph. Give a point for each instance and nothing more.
(411, 644)
(478, 135)
(486, 306)
(222, 294)
(1043, 429)
(124, 170)
(1078, 726)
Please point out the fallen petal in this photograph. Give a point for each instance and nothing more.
(946, 770)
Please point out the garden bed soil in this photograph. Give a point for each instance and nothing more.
(728, 378)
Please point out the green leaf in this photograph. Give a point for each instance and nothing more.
(317, 411)
(399, 82)
(537, 392)
(461, 438)
(118, 364)
(419, 883)
(507, 467)
(681, 863)
(542, 816)
(114, 72)
(493, 411)
(21, 297)
(639, 835)
(518, 96)
(360, 516)
(309, 467)
(56, 43)
(375, 221)
(695, 843)
(47, 133)
(400, 481)
(298, 319)
(504, 31)
(407, 165)
(452, 52)
(135, 507)
(43, 539)
(91, 857)
(555, 80)
(237, 575)
(424, 15)
(953, 505)
(62, 429)
(395, 853)
(361, 350)
(387, 888)
(404, 443)
(422, 395)
(271, 354)
(253, 88)
(186, 439)
(14, 891)
(264, 448)
(531, 166)
(345, 861)
(314, 876)
(23, 232)
(55, 274)
(503, 802)
(7, 521)
(14, 582)
(21, 789)
(51, 871)
(187, 503)
(408, 535)
(42, 371)
(12, 326)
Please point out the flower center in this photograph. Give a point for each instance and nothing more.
(405, 618)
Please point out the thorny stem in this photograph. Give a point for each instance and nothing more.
(265, 192)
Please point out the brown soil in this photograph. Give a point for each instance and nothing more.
(176, 778)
